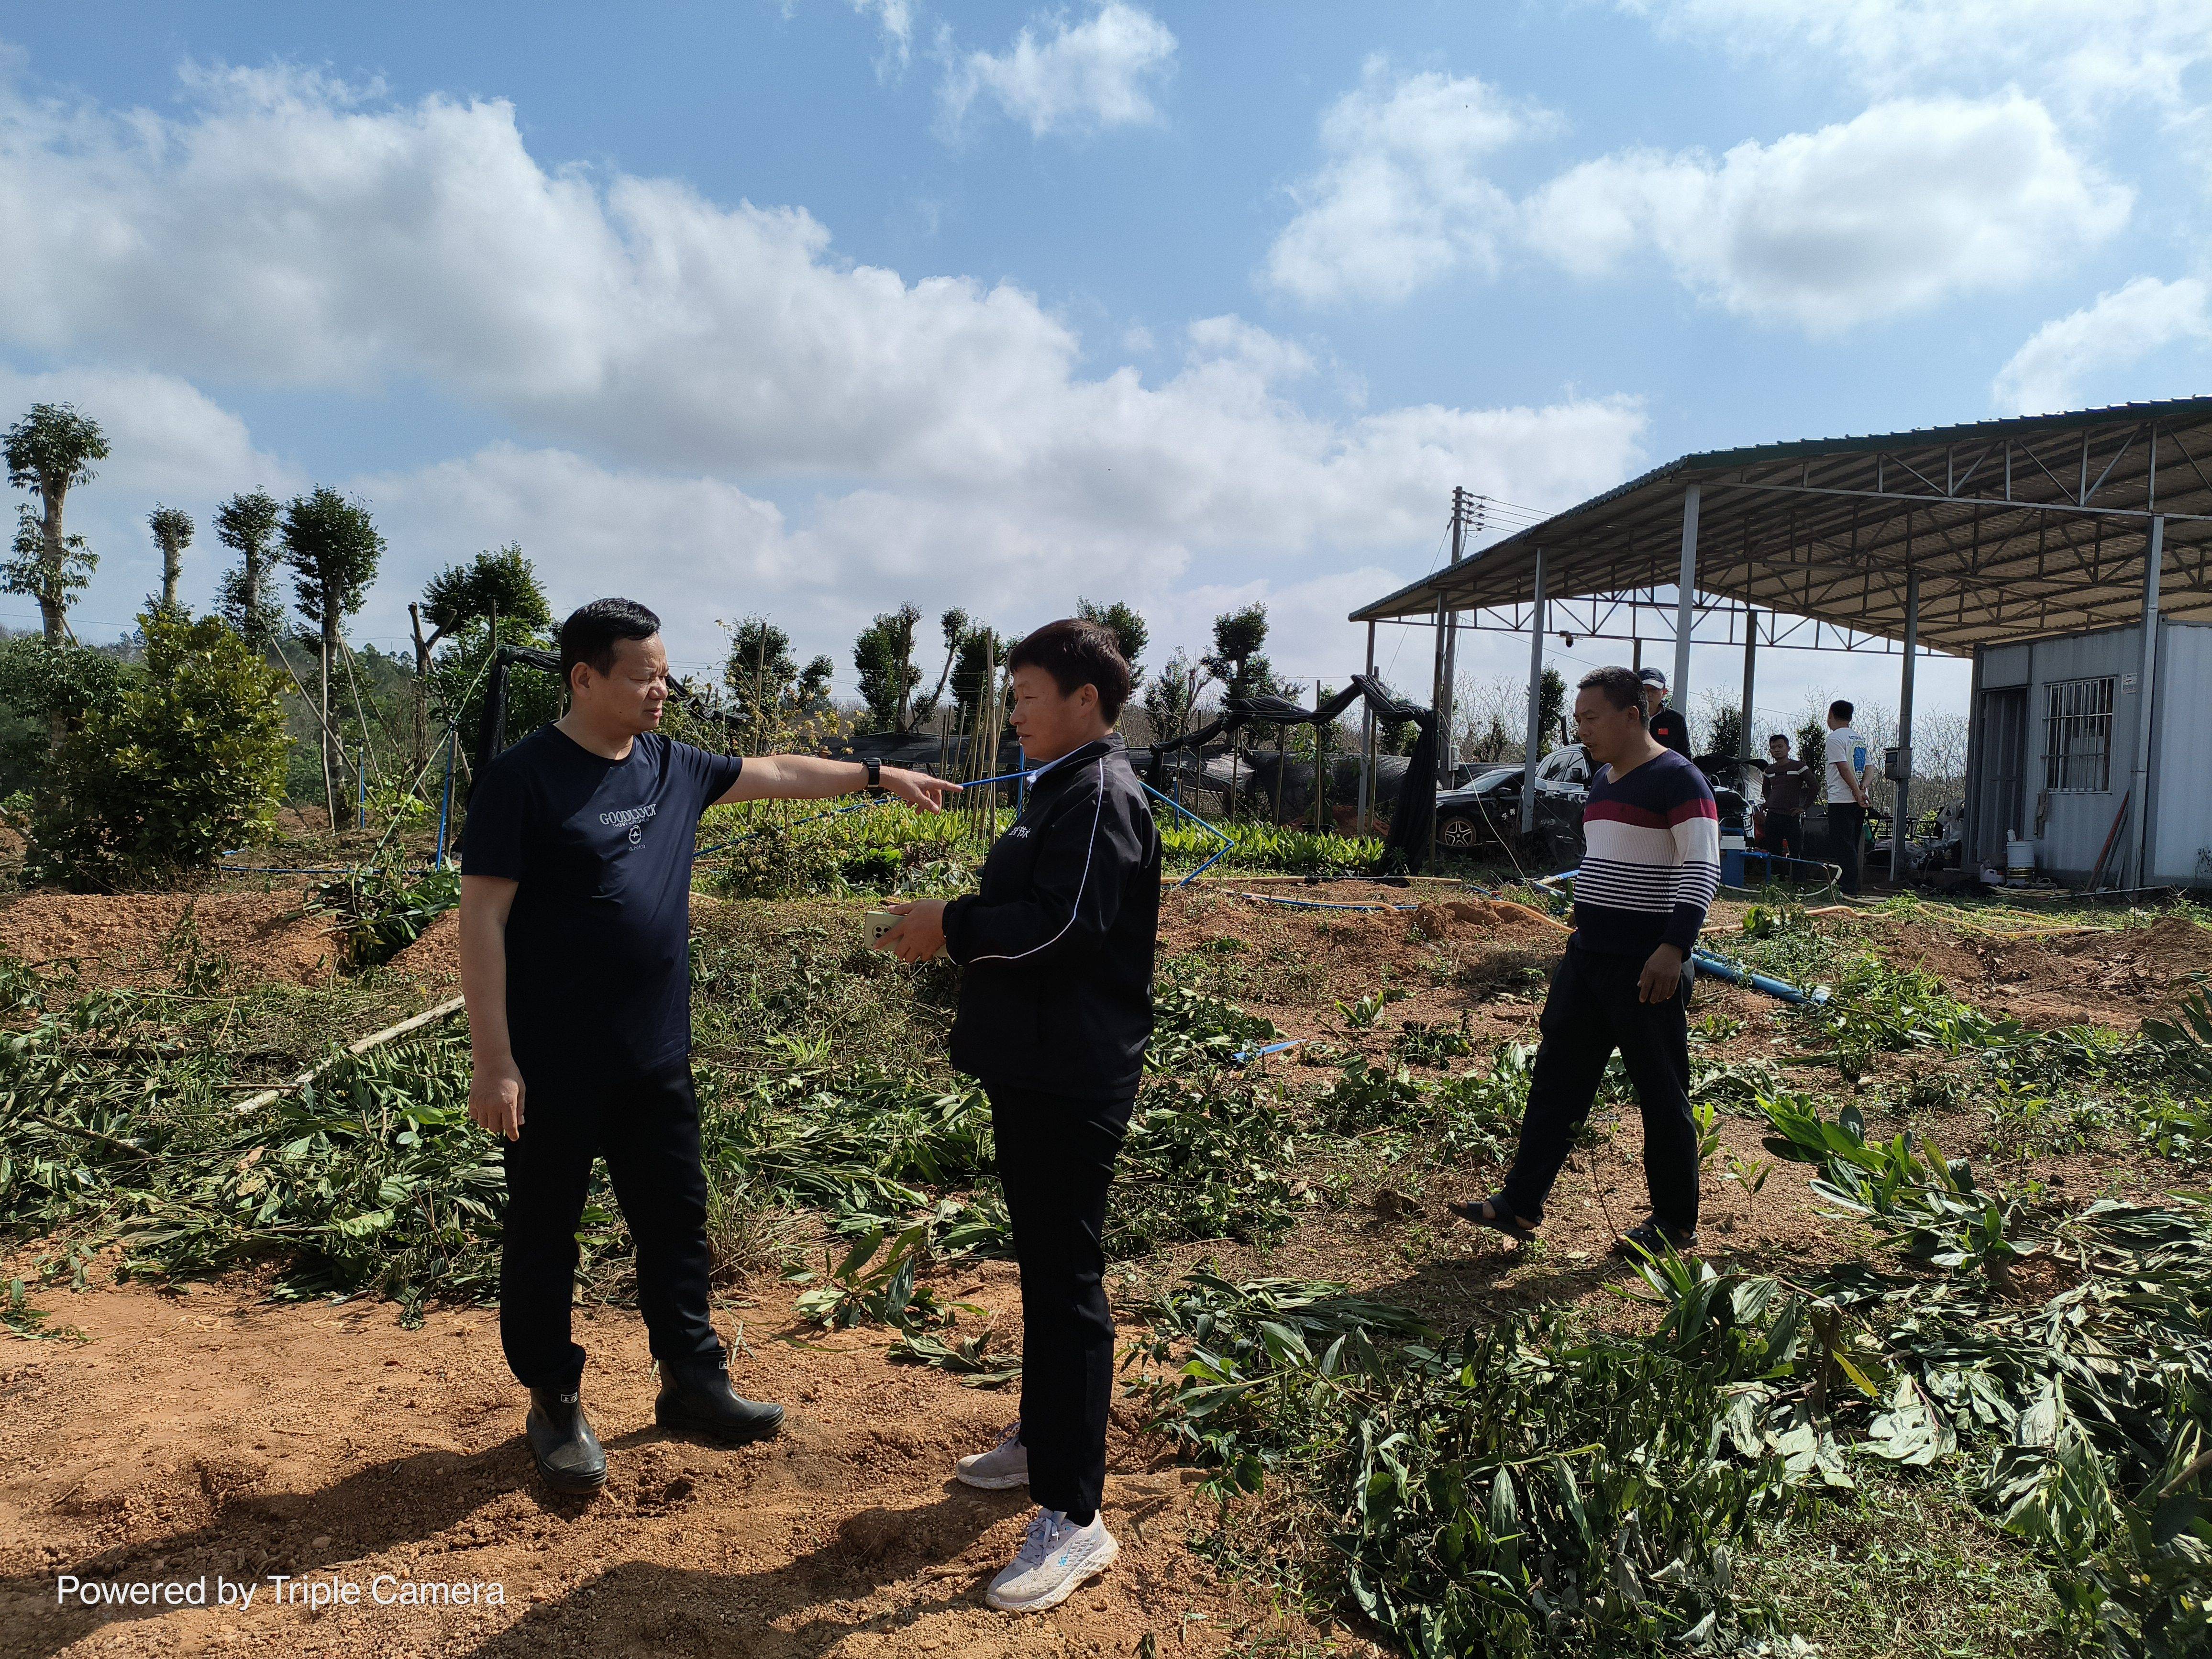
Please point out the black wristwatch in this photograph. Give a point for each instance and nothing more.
(875, 775)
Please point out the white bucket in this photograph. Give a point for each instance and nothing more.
(2020, 861)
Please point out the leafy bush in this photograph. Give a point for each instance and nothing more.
(169, 768)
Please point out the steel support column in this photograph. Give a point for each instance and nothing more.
(1748, 744)
(1367, 741)
(1686, 614)
(2143, 849)
(1898, 830)
(1535, 701)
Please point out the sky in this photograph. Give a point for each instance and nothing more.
(810, 309)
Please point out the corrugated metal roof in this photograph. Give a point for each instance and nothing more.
(1828, 527)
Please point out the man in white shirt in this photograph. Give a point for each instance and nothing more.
(1845, 775)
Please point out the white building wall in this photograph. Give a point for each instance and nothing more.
(2181, 758)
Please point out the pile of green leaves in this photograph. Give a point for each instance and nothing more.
(1527, 1489)
(1205, 1157)
(384, 909)
(2093, 1411)
(370, 1180)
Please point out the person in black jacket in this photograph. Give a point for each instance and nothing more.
(1056, 1008)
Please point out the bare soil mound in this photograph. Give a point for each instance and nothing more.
(329, 1443)
(1439, 953)
(435, 957)
(2114, 976)
(141, 938)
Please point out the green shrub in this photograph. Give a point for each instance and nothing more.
(169, 768)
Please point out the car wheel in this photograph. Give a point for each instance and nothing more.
(1457, 832)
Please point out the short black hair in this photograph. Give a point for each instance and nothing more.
(593, 631)
(1776, 736)
(1076, 653)
(1621, 687)
(1840, 709)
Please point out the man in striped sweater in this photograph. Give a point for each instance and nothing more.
(1651, 866)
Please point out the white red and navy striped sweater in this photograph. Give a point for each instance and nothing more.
(1652, 861)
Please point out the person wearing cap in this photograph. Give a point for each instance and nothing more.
(1667, 725)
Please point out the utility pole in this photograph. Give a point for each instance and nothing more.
(1465, 511)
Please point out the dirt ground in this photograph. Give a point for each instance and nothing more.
(435, 959)
(2059, 976)
(133, 939)
(215, 1432)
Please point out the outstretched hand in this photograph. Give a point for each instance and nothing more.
(918, 788)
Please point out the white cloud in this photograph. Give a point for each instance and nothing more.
(703, 400)
(1911, 202)
(1059, 76)
(2048, 372)
(895, 20)
(2083, 53)
(1904, 206)
(1403, 199)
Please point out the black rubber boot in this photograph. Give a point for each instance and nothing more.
(698, 1400)
(568, 1455)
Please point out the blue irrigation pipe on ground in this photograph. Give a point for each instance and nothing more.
(1246, 1056)
(1226, 840)
(1774, 987)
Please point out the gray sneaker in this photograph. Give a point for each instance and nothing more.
(1054, 1560)
(1004, 1465)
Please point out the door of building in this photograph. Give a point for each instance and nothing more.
(2004, 774)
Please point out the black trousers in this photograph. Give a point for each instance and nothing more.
(1846, 841)
(1591, 1010)
(1784, 835)
(1055, 1160)
(647, 1129)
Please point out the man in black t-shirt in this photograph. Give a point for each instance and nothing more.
(575, 943)
(1667, 725)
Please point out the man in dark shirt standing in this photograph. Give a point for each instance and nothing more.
(1668, 729)
(1787, 792)
(575, 946)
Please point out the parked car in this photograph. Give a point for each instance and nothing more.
(1488, 809)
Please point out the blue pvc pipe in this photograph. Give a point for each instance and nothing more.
(1774, 987)
(1226, 840)
(1246, 1056)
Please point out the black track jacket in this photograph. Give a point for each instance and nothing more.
(1057, 945)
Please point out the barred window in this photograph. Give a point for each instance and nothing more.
(2077, 736)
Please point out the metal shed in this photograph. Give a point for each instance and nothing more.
(2069, 555)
